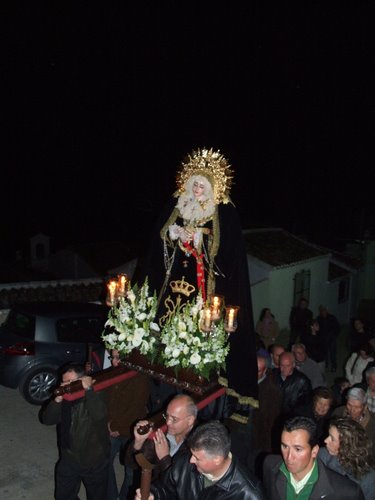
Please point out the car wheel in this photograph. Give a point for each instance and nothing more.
(38, 386)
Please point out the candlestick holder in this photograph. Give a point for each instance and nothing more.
(216, 305)
(206, 323)
(230, 321)
(122, 285)
(111, 298)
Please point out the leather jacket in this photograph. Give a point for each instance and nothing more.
(182, 481)
(296, 391)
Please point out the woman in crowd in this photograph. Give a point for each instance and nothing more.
(320, 410)
(357, 363)
(267, 327)
(358, 335)
(348, 452)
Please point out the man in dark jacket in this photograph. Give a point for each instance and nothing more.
(299, 474)
(180, 417)
(208, 472)
(295, 386)
(299, 319)
(329, 330)
(84, 439)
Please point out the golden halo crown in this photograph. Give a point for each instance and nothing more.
(210, 164)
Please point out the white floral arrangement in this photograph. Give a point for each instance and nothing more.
(185, 345)
(131, 323)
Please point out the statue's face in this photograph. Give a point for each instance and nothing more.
(198, 189)
(199, 186)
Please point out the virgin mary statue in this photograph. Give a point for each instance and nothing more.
(199, 241)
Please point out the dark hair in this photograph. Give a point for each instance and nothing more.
(366, 347)
(313, 322)
(213, 438)
(263, 313)
(355, 451)
(303, 423)
(322, 392)
(340, 381)
(76, 368)
(272, 347)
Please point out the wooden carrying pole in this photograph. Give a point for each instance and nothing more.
(146, 476)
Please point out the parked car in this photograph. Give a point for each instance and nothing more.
(37, 339)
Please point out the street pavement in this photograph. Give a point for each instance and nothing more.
(28, 450)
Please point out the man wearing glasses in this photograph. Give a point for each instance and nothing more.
(180, 417)
(207, 470)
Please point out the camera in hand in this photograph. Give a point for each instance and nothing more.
(69, 388)
(144, 429)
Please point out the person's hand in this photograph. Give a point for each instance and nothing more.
(87, 381)
(58, 399)
(112, 433)
(88, 367)
(175, 232)
(138, 495)
(186, 235)
(161, 444)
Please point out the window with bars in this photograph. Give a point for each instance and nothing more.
(301, 286)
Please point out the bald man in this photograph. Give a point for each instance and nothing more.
(295, 386)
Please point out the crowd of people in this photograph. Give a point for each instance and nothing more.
(303, 439)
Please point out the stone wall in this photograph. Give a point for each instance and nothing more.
(52, 291)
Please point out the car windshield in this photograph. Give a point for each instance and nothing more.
(20, 324)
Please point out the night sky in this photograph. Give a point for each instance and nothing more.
(101, 103)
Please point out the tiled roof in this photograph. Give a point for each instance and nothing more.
(104, 255)
(335, 272)
(280, 248)
(348, 260)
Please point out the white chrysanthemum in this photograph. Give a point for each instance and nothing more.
(196, 341)
(138, 336)
(141, 316)
(182, 335)
(154, 326)
(186, 350)
(121, 337)
(173, 362)
(112, 338)
(195, 358)
(176, 353)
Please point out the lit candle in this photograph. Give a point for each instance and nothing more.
(230, 323)
(230, 318)
(122, 284)
(215, 306)
(112, 286)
